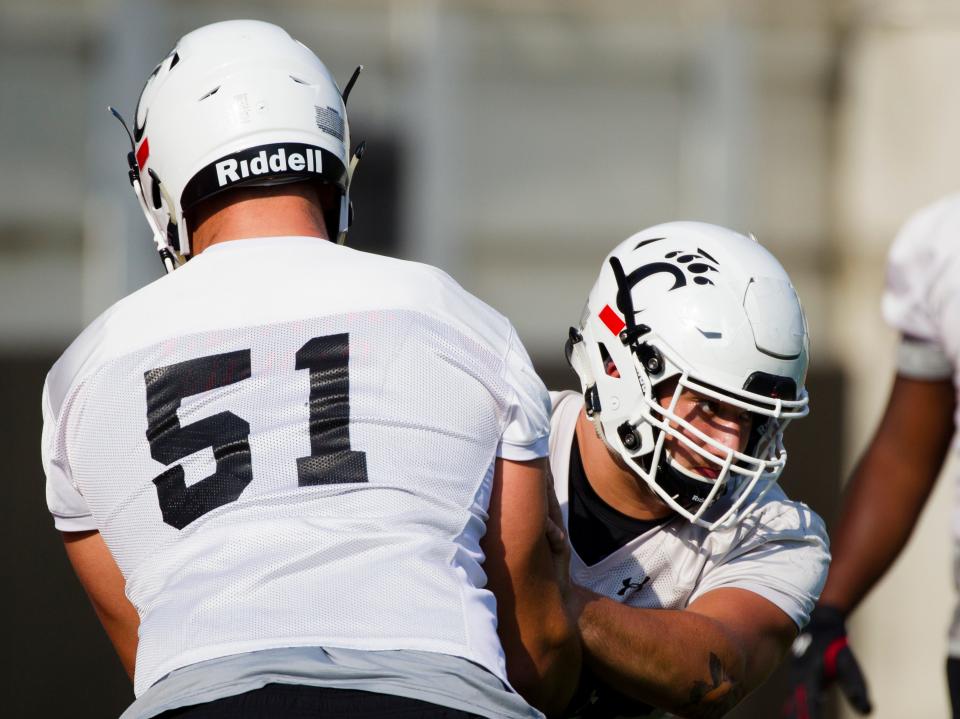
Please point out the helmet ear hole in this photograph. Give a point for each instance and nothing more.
(609, 366)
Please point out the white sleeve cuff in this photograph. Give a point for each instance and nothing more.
(922, 360)
(524, 453)
(82, 523)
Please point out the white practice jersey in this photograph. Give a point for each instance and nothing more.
(780, 551)
(921, 301)
(290, 443)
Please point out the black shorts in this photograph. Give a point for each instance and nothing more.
(295, 701)
(953, 683)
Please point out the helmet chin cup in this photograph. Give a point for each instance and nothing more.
(681, 483)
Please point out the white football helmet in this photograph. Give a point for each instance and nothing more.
(236, 103)
(715, 310)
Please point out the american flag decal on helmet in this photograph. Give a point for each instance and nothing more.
(329, 121)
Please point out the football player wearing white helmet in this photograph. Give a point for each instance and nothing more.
(210, 119)
(296, 479)
(690, 570)
(899, 468)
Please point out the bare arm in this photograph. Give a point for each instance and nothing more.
(889, 488)
(695, 662)
(538, 636)
(104, 585)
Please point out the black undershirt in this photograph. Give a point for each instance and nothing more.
(597, 530)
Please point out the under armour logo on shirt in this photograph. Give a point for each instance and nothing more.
(631, 585)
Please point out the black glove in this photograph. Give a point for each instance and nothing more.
(820, 658)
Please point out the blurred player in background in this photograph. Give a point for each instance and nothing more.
(897, 472)
(296, 479)
(691, 571)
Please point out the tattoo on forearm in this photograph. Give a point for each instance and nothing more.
(711, 700)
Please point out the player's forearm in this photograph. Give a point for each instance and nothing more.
(885, 498)
(104, 584)
(123, 634)
(539, 637)
(887, 491)
(545, 666)
(870, 536)
(676, 660)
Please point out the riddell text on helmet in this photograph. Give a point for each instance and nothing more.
(278, 160)
(233, 170)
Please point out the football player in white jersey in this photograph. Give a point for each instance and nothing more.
(296, 479)
(691, 570)
(890, 485)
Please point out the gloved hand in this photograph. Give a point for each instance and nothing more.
(820, 658)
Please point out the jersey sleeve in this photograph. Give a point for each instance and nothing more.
(526, 434)
(912, 256)
(784, 558)
(68, 507)
(908, 304)
(920, 359)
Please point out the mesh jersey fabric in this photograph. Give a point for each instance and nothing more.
(290, 443)
(921, 300)
(780, 551)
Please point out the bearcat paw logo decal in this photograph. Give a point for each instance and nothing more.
(683, 266)
(699, 268)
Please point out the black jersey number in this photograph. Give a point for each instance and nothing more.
(331, 461)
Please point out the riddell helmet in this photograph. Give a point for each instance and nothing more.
(714, 310)
(236, 103)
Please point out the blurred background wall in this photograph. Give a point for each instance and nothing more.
(512, 143)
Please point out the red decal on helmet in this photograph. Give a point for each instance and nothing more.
(612, 320)
(143, 153)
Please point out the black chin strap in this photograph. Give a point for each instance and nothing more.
(683, 489)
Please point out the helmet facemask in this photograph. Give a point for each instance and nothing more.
(740, 475)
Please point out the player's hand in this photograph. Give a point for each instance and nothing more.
(821, 657)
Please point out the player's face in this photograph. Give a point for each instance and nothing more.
(725, 424)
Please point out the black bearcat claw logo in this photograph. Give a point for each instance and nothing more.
(696, 263)
(683, 266)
